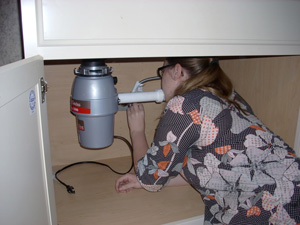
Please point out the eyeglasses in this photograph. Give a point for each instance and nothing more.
(161, 70)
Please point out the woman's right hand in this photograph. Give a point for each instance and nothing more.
(136, 118)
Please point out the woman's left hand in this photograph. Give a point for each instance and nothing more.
(127, 182)
(136, 118)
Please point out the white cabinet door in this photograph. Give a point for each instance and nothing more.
(26, 183)
(77, 29)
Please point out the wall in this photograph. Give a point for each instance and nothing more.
(268, 84)
(271, 87)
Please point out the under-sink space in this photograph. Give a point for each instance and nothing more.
(96, 202)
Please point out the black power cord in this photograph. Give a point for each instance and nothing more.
(71, 190)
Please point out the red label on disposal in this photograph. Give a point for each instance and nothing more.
(78, 106)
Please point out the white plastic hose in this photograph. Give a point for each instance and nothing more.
(148, 96)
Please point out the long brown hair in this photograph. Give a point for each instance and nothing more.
(205, 73)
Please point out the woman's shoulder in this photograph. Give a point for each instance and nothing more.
(192, 100)
(204, 97)
(197, 95)
(188, 98)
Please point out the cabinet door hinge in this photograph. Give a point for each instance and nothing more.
(44, 89)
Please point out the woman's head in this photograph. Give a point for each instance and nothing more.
(203, 73)
(173, 76)
(195, 73)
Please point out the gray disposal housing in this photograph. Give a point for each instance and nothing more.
(94, 101)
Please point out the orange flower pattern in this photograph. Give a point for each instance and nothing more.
(195, 116)
(175, 105)
(223, 149)
(166, 149)
(243, 171)
(254, 210)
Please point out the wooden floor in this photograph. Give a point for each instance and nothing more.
(97, 202)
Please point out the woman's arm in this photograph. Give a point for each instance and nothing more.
(136, 123)
(178, 181)
(129, 181)
(171, 148)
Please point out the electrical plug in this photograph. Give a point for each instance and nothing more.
(70, 189)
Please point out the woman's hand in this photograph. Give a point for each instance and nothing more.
(127, 182)
(136, 118)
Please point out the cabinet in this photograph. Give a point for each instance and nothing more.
(26, 190)
(75, 29)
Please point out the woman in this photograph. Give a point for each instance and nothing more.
(209, 137)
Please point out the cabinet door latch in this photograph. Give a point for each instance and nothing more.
(44, 89)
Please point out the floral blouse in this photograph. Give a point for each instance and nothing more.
(245, 173)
